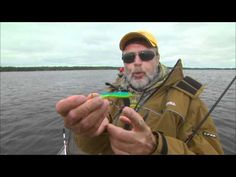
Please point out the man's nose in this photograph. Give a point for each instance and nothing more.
(137, 60)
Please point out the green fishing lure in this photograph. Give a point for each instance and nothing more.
(116, 95)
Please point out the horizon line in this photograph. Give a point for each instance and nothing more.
(107, 67)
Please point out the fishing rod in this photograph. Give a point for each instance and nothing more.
(64, 142)
(109, 84)
(209, 112)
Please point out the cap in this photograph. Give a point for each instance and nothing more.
(139, 34)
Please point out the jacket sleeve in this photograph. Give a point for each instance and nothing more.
(93, 146)
(171, 140)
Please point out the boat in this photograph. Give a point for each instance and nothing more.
(63, 150)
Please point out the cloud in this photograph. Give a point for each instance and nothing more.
(69, 44)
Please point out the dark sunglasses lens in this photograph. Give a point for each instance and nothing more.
(128, 57)
(146, 55)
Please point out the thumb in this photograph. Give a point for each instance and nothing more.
(125, 120)
(102, 127)
(114, 131)
(135, 119)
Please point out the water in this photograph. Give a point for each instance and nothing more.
(30, 125)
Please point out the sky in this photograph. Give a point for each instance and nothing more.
(198, 44)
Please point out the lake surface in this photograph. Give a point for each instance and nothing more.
(29, 123)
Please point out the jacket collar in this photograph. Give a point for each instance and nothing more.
(176, 74)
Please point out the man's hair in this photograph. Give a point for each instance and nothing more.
(142, 41)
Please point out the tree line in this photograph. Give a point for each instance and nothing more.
(55, 68)
(63, 68)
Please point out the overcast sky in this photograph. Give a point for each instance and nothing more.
(97, 44)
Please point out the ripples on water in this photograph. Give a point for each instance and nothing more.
(30, 125)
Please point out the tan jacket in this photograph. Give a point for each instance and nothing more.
(172, 112)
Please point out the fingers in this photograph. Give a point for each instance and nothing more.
(125, 120)
(135, 119)
(92, 95)
(82, 111)
(102, 127)
(65, 105)
(117, 151)
(119, 143)
(119, 133)
(100, 122)
(90, 124)
(84, 115)
(130, 142)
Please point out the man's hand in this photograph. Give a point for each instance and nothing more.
(85, 116)
(139, 140)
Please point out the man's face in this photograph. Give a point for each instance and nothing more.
(140, 73)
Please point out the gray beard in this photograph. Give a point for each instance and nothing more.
(143, 83)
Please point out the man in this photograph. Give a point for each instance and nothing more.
(158, 119)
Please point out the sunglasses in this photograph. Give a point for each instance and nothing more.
(144, 55)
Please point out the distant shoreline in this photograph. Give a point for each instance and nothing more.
(65, 68)
(55, 68)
